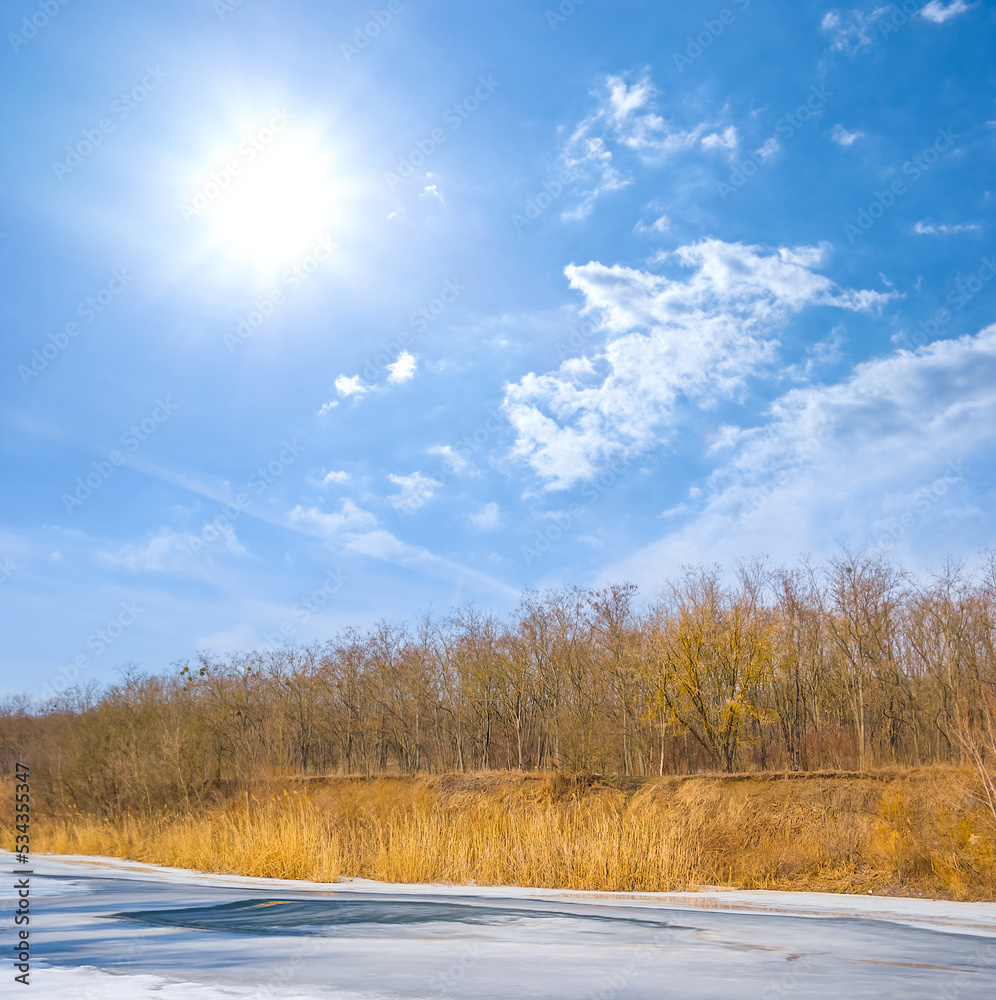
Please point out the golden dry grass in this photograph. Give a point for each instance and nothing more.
(902, 833)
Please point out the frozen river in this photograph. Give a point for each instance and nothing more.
(104, 930)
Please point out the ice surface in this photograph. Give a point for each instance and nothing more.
(105, 929)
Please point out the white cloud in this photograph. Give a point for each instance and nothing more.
(432, 191)
(173, 551)
(939, 12)
(623, 118)
(769, 149)
(414, 490)
(828, 350)
(660, 225)
(351, 385)
(347, 522)
(452, 458)
(727, 139)
(357, 530)
(488, 518)
(923, 229)
(335, 477)
(726, 437)
(352, 527)
(869, 461)
(403, 369)
(824, 352)
(843, 138)
(694, 338)
(587, 160)
(328, 407)
(855, 30)
(639, 128)
(852, 31)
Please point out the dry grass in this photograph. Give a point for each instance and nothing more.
(903, 833)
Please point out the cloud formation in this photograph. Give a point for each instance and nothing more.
(843, 138)
(694, 338)
(488, 518)
(923, 229)
(624, 119)
(869, 461)
(939, 12)
(402, 370)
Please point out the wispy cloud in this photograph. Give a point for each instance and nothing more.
(660, 225)
(939, 12)
(169, 551)
(727, 140)
(414, 490)
(843, 138)
(488, 518)
(453, 459)
(924, 229)
(356, 530)
(342, 524)
(625, 119)
(852, 31)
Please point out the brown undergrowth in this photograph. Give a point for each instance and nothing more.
(913, 832)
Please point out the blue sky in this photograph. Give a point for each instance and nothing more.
(320, 313)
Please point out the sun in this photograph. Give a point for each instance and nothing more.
(264, 205)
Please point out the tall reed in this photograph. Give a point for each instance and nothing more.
(909, 833)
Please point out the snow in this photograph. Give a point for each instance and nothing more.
(104, 929)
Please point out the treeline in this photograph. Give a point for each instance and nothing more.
(847, 665)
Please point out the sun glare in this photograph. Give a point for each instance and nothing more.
(267, 203)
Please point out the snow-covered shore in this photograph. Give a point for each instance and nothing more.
(107, 928)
